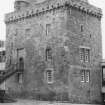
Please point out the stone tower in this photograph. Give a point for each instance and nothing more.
(57, 44)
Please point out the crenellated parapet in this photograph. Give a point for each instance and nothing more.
(48, 6)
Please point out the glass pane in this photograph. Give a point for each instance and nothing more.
(82, 76)
(104, 73)
(49, 76)
(87, 55)
(82, 54)
(87, 76)
(48, 54)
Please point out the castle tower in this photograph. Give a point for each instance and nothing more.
(58, 49)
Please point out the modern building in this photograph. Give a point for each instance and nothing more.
(103, 80)
(2, 62)
(57, 45)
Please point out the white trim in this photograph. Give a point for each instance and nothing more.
(52, 75)
(87, 74)
(86, 56)
(103, 90)
(85, 47)
(80, 67)
(82, 76)
(2, 49)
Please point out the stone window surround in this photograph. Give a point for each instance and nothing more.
(2, 56)
(46, 75)
(48, 53)
(82, 27)
(86, 48)
(85, 75)
(47, 28)
(19, 78)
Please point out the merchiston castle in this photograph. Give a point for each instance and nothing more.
(54, 48)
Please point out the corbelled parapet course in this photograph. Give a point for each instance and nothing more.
(48, 6)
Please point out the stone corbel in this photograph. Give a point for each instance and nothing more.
(10, 18)
(33, 12)
(58, 5)
(95, 14)
(47, 10)
(14, 18)
(23, 16)
(76, 6)
(62, 6)
(81, 8)
(19, 17)
(40, 12)
(37, 12)
(67, 3)
(71, 6)
(50, 8)
(87, 11)
(92, 13)
(44, 10)
(30, 13)
(62, 3)
(27, 14)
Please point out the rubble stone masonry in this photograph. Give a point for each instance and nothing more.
(56, 24)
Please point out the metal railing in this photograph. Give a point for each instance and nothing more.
(9, 72)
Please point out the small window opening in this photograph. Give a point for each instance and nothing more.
(48, 54)
(49, 76)
(82, 28)
(85, 76)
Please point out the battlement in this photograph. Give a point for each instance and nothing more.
(48, 6)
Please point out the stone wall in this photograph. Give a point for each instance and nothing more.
(64, 36)
(90, 37)
(31, 35)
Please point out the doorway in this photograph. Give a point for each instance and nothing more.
(21, 64)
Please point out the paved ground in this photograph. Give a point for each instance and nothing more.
(33, 102)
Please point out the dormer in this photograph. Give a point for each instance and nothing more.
(86, 1)
(21, 4)
(83, 1)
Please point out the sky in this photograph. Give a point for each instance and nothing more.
(7, 6)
